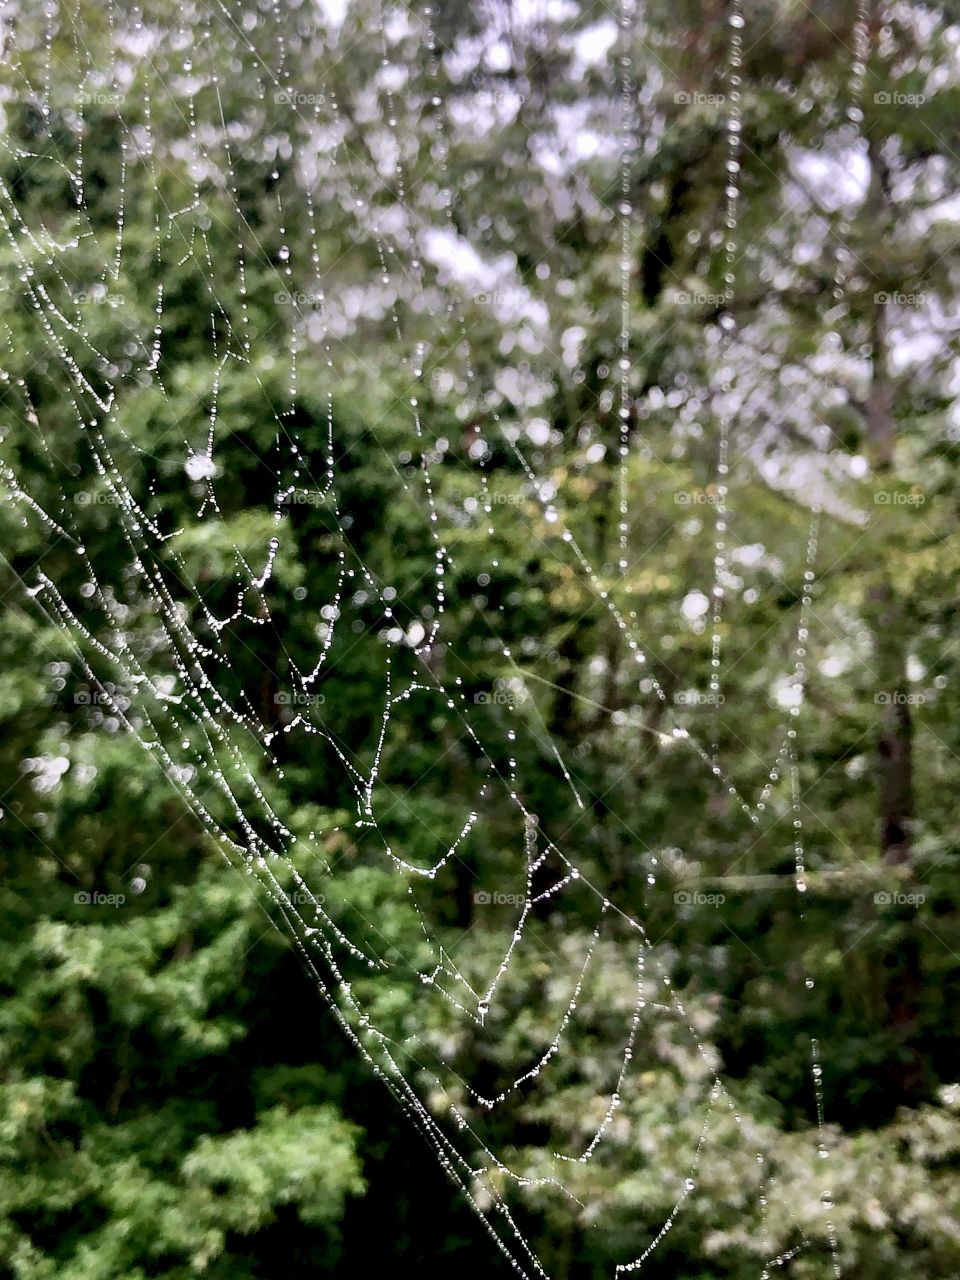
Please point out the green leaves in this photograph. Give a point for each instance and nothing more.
(174, 1099)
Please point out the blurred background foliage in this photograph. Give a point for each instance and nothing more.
(175, 1098)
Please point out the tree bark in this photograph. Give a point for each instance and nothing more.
(894, 742)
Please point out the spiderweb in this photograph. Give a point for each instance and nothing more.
(162, 653)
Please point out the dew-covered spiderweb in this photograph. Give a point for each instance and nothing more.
(300, 172)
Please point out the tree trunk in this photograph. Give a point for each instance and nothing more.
(894, 742)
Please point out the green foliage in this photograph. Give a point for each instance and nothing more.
(175, 1099)
(131, 1141)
